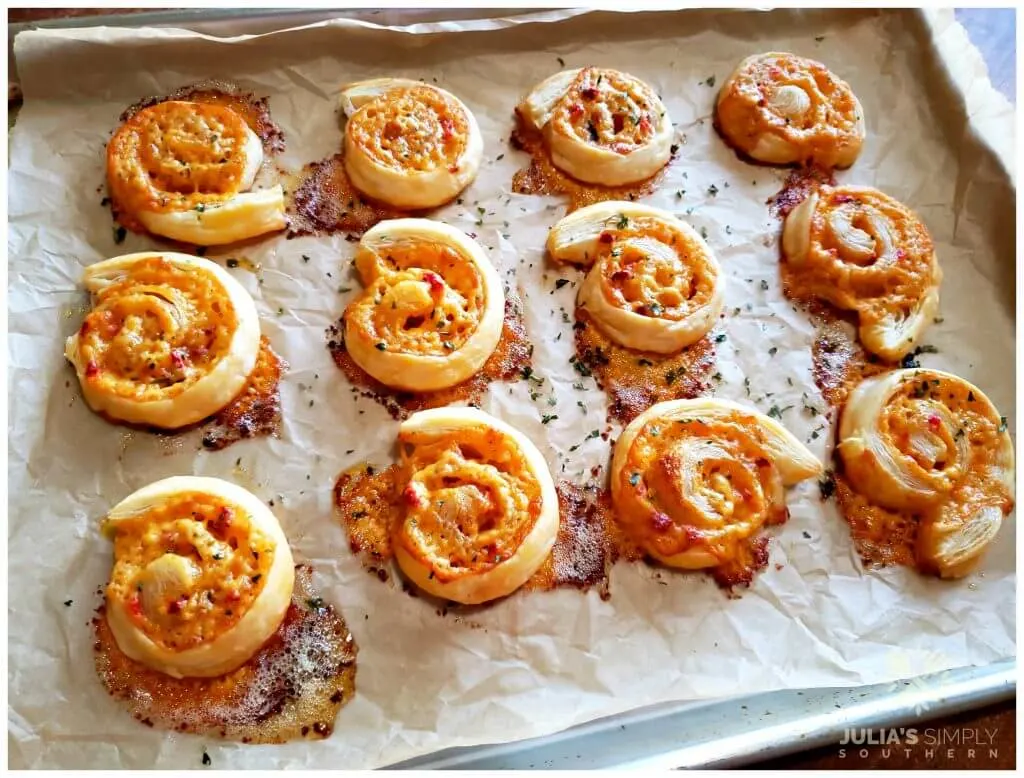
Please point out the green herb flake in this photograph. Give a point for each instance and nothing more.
(827, 485)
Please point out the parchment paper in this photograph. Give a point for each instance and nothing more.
(535, 663)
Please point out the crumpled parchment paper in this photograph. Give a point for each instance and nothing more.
(535, 663)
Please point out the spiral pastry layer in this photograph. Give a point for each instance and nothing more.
(694, 480)
(863, 251)
(931, 444)
(601, 126)
(481, 512)
(782, 109)
(170, 339)
(409, 144)
(432, 310)
(183, 170)
(202, 576)
(653, 285)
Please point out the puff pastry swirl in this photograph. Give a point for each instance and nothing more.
(183, 170)
(932, 444)
(654, 283)
(863, 251)
(601, 126)
(409, 144)
(481, 512)
(170, 339)
(692, 480)
(432, 310)
(782, 109)
(202, 576)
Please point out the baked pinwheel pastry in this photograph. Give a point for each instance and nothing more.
(783, 109)
(930, 444)
(863, 251)
(653, 285)
(202, 576)
(184, 170)
(480, 508)
(170, 339)
(693, 481)
(409, 144)
(432, 310)
(601, 126)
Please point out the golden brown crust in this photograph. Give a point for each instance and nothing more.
(182, 169)
(418, 128)
(408, 145)
(782, 109)
(693, 481)
(170, 339)
(226, 549)
(177, 155)
(927, 448)
(431, 314)
(654, 284)
(602, 126)
(202, 575)
(481, 512)
(864, 251)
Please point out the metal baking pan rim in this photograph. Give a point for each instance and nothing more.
(764, 726)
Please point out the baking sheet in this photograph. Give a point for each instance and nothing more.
(540, 662)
